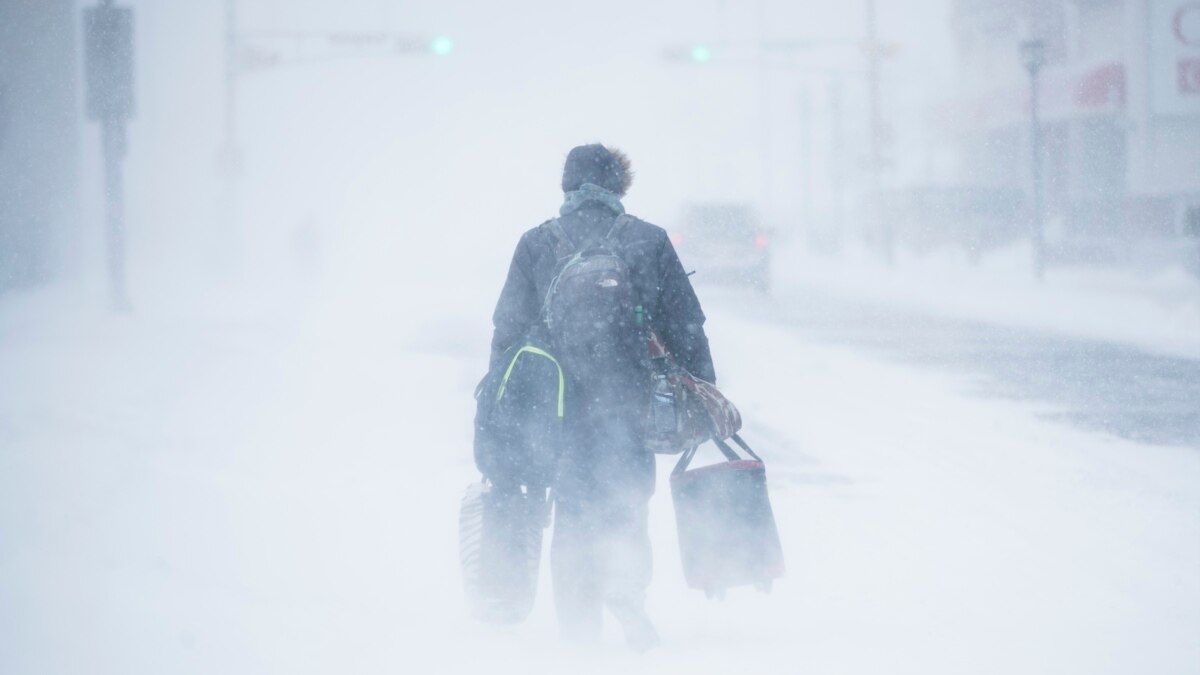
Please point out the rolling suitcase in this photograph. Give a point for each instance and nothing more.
(500, 549)
(727, 533)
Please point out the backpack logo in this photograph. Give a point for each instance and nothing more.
(608, 283)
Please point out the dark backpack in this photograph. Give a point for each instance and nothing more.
(592, 313)
(519, 408)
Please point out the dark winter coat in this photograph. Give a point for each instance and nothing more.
(604, 462)
(662, 285)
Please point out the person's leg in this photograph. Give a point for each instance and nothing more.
(626, 562)
(577, 593)
(626, 567)
(601, 546)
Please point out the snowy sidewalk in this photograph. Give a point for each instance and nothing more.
(258, 492)
(1156, 311)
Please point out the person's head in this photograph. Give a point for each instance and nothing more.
(598, 165)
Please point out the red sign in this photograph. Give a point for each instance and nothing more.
(1189, 76)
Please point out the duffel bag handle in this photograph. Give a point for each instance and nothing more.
(729, 453)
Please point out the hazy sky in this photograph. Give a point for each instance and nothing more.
(476, 139)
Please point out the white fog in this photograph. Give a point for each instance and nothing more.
(961, 324)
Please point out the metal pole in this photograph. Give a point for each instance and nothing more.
(876, 222)
(113, 142)
(806, 171)
(1039, 253)
(230, 77)
(764, 122)
(224, 251)
(837, 160)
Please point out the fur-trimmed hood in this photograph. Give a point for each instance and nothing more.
(599, 165)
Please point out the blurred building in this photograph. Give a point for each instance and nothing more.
(39, 138)
(1120, 106)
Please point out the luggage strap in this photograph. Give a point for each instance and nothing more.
(729, 453)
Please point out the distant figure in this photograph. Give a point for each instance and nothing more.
(605, 476)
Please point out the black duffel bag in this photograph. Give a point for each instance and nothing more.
(727, 533)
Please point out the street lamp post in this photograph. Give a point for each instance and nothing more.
(1033, 57)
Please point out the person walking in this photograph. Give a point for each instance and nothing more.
(604, 477)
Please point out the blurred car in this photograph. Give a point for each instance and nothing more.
(724, 243)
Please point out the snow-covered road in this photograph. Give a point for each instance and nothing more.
(1088, 382)
(259, 488)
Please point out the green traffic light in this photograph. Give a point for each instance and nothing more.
(441, 45)
(701, 54)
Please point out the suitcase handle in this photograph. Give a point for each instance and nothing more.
(729, 453)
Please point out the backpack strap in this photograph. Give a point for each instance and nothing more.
(564, 249)
(563, 246)
(619, 223)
